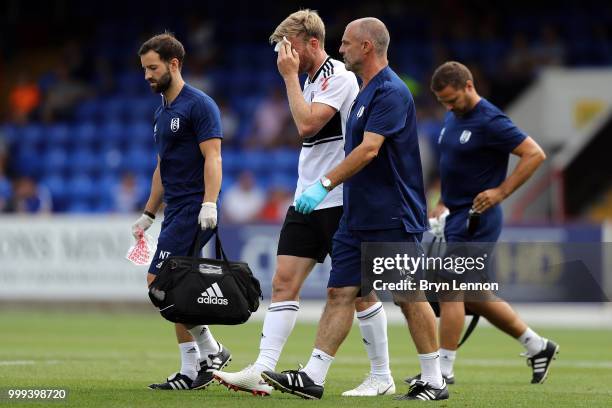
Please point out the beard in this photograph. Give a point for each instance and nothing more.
(162, 84)
(352, 66)
(460, 111)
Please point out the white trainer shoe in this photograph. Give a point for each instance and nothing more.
(247, 380)
(372, 387)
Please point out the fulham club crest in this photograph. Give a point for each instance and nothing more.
(465, 137)
(174, 124)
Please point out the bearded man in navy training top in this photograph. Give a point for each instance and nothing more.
(187, 133)
(474, 147)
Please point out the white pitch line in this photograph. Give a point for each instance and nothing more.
(475, 362)
(26, 362)
(16, 362)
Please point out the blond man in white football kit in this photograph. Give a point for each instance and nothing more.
(319, 110)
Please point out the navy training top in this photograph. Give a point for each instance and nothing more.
(388, 192)
(179, 128)
(474, 151)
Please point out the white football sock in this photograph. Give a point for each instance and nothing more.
(206, 342)
(278, 325)
(373, 327)
(532, 342)
(318, 366)
(430, 369)
(447, 360)
(190, 359)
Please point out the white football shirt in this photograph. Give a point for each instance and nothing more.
(332, 85)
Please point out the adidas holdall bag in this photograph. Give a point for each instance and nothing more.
(194, 290)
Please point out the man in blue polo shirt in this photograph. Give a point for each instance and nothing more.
(384, 201)
(187, 132)
(474, 145)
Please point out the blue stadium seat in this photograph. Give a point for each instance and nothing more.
(10, 133)
(108, 183)
(85, 135)
(257, 161)
(80, 206)
(107, 187)
(114, 109)
(112, 160)
(113, 134)
(263, 180)
(143, 108)
(54, 160)
(31, 136)
(6, 190)
(27, 162)
(139, 135)
(284, 181)
(227, 182)
(232, 160)
(132, 83)
(138, 161)
(285, 160)
(58, 136)
(88, 110)
(101, 205)
(84, 161)
(81, 188)
(57, 186)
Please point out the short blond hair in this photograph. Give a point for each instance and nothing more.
(305, 23)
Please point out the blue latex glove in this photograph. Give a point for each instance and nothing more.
(310, 198)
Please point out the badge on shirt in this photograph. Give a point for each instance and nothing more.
(465, 136)
(174, 124)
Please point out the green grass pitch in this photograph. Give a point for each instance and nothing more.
(107, 360)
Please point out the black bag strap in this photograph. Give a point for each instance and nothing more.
(470, 329)
(475, 317)
(219, 252)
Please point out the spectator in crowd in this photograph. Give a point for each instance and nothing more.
(271, 122)
(201, 41)
(203, 50)
(5, 184)
(103, 76)
(229, 120)
(29, 198)
(24, 99)
(128, 197)
(549, 49)
(63, 95)
(243, 201)
(520, 63)
(275, 208)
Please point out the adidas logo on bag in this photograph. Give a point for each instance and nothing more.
(213, 296)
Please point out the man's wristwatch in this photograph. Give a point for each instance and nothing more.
(327, 184)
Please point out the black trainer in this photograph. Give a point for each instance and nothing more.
(294, 382)
(214, 362)
(421, 390)
(540, 363)
(449, 380)
(177, 381)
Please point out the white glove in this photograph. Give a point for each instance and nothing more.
(437, 225)
(208, 216)
(141, 225)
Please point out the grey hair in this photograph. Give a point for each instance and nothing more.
(371, 28)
